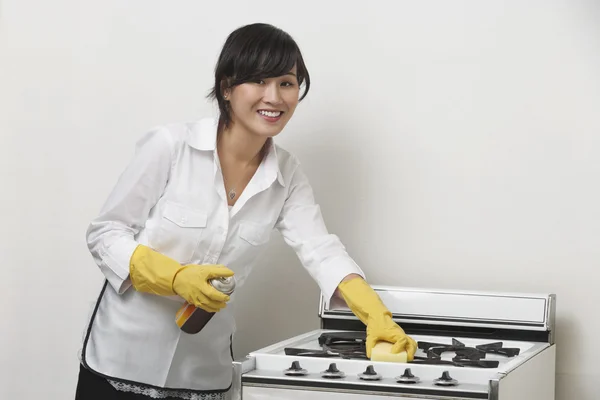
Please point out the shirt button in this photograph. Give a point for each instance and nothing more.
(183, 220)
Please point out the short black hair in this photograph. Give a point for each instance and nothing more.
(254, 52)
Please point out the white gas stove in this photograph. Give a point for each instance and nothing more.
(472, 345)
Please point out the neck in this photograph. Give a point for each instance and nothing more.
(235, 144)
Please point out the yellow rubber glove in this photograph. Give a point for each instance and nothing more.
(152, 272)
(368, 307)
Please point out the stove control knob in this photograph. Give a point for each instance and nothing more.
(445, 380)
(408, 377)
(370, 374)
(296, 370)
(332, 372)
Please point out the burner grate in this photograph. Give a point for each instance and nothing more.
(351, 345)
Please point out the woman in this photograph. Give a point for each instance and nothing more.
(199, 201)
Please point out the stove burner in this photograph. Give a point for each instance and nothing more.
(296, 370)
(464, 353)
(497, 348)
(326, 353)
(346, 345)
(408, 377)
(460, 363)
(435, 350)
(445, 380)
(351, 337)
(370, 374)
(333, 372)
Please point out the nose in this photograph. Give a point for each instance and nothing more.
(272, 94)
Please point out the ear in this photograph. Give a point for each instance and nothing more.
(226, 88)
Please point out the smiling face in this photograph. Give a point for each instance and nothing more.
(263, 107)
(261, 71)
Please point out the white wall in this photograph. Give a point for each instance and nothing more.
(450, 144)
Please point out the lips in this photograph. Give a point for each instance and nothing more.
(270, 115)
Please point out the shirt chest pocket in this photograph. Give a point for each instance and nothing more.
(254, 233)
(179, 231)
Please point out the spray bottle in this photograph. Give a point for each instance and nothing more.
(191, 319)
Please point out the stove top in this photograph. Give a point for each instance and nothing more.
(470, 344)
(443, 362)
(351, 345)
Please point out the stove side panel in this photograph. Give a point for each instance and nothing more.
(269, 393)
(533, 380)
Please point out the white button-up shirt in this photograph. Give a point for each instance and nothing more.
(172, 198)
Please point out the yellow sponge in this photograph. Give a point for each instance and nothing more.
(382, 351)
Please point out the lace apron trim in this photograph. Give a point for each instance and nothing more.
(154, 393)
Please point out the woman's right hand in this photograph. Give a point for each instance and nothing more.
(153, 272)
(192, 284)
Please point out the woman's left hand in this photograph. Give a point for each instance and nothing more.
(383, 328)
(368, 307)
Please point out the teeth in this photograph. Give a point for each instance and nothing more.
(272, 114)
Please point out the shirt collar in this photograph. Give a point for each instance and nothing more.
(272, 162)
(203, 136)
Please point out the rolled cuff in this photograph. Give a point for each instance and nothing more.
(115, 263)
(334, 271)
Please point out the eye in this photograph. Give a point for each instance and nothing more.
(287, 84)
(259, 82)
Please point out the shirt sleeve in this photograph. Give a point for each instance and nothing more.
(302, 227)
(111, 235)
